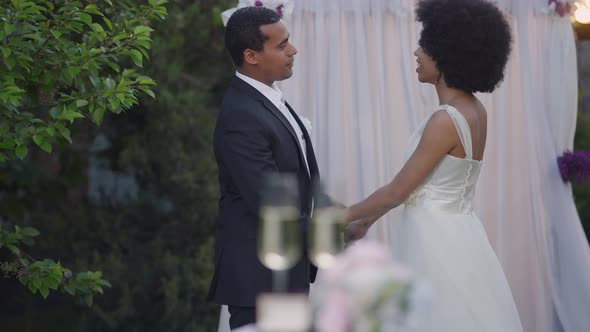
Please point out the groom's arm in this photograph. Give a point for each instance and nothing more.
(246, 151)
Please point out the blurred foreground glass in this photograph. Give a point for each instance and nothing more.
(279, 231)
(326, 235)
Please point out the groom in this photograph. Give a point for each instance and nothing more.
(257, 133)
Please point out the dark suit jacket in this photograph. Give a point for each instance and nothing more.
(253, 138)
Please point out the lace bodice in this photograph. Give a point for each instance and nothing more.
(451, 186)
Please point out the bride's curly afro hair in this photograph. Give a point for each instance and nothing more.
(469, 40)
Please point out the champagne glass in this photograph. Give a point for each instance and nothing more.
(326, 235)
(279, 230)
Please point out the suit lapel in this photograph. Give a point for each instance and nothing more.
(240, 84)
(276, 112)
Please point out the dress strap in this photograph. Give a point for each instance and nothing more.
(462, 127)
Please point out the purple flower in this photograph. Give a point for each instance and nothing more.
(574, 166)
(280, 10)
(258, 4)
(560, 9)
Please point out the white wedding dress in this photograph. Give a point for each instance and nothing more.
(442, 240)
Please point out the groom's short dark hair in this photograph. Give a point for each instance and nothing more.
(243, 31)
(469, 40)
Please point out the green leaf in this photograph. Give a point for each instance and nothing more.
(54, 112)
(110, 83)
(14, 249)
(98, 115)
(10, 63)
(70, 116)
(46, 146)
(50, 131)
(145, 80)
(32, 288)
(7, 144)
(33, 36)
(92, 9)
(108, 23)
(114, 66)
(99, 29)
(6, 52)
(81, 102)
(38, 139)
(150, 93)
(44, 291)
(85, 18)
(37, 283)
(120, 36)
(65, 133)
(21, 151)
(52, 283)
(142, 29)
(29, 231)
(8, 28)
(136, 56)
(105, 283)
(56, 33)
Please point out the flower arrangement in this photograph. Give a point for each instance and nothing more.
(365, 290)
(574, 166)
(282, 7)
(562, 7)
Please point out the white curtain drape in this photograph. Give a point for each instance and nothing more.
(355, 80)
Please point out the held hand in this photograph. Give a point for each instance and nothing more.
(356, 230)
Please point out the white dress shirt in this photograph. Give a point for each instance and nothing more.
(276, 98)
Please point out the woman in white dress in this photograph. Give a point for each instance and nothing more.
(464, 47)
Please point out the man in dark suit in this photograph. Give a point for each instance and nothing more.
(257, 133)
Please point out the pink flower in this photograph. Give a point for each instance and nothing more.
(359, 255)
(363, 280)
(366, 253)
(258, 4)
(336, 313)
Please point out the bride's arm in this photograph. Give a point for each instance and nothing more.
(439, 138)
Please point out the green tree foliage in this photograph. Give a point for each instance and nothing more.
(156, 245)
(62, 61)
(66, 60)
(41, 276)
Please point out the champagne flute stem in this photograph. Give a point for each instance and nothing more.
(280, 281)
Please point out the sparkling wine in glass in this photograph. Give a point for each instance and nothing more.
(326, 235)
(279, 230)
(279, 244)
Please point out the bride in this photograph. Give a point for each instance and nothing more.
(464, 47)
